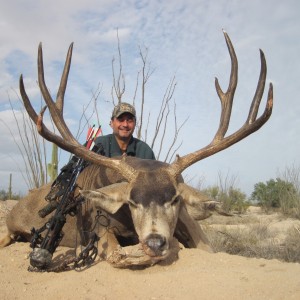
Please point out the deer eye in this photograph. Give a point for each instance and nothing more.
(132, 204)
(175, 200)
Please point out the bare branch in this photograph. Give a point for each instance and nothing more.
(164, 130)
(33, 156)
(93, 100)
(119, 83)
(136, 88)
(166, 99)
(176, 133)
(142, 122)
(146, 73)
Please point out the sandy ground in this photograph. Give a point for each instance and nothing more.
(194, 275)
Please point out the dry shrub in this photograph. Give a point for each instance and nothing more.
(291, 245)
(290, 198)
(5, 208)
(231, 220)
(255, 240)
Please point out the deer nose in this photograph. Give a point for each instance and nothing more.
(155, 242)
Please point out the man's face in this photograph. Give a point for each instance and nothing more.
(123, 126)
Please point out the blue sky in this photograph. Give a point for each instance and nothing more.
(185, 40)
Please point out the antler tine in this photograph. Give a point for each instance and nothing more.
(56, 109)
(30, 110)
(67, 141)
(64, 80)
(226, 99)
(252, 124)
(259, 90)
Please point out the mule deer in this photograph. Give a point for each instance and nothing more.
(146, 201)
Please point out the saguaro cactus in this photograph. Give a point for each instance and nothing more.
(52, 167)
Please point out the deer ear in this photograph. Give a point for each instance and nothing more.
(198, 204)
(109, 198)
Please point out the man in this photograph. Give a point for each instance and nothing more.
(121, 141)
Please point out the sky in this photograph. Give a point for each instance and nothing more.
(184, 40)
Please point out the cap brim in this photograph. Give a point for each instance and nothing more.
(123, 112)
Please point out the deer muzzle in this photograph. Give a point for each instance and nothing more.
(155, 245)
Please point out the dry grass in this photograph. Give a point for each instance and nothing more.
(255, 235)
(5, 208)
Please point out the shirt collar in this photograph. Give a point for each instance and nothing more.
(115, 149)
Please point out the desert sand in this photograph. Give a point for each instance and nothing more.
(193, 275)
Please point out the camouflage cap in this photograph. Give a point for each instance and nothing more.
(122, 108)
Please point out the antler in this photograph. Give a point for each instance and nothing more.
(66, 141)
(220, 142)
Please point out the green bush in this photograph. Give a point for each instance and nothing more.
(232, 199)
(277, 194)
